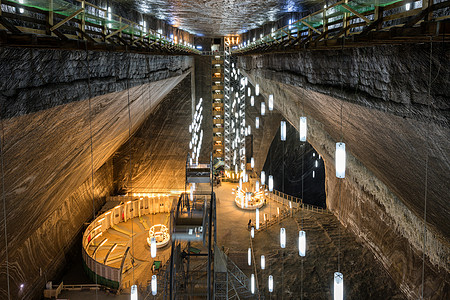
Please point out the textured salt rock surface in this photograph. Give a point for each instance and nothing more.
(370, 209)
(46, 146)
(217, 17)
(292, 154)
(158, 148)
(364, 276)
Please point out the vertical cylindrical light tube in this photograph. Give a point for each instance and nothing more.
(303, 127)
(283, 130)
(340, 160)
(249, 256)
(134, 292)
(270, 183)
(270, 283)
(263, 262)
(257, 90)
(154, 285)
(270, 102)
(249, 91)
(263, 177)
(257, 186)
(338, 286)
(263, 108)
(257, 122)
(249, 130)
(257, 218)
(252, 162)
(314, 174)
(283, 238)
(252, 232)
(153, 247)
(252, 283)
(301, 243)
(252, 100)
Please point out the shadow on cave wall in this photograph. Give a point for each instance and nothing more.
(289, 180)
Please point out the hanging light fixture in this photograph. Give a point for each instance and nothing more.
(338, 286)
(270, 102)
(283, 130)
(257, 218)
(340, 160)
(249, 130)
(252, 100)
(263, 177)
(270, 183)
(134, 292)
(252, 162)
(303, 127)
(249, 91)
(301, 243)
(257, 90)
(257, 186)
(252, 283)
(257, 122)
(154, 285)
(263, 108)
(252, 232)
(249, 256)
(314, 174)
(270, 283)
(153, 247)
(263, 262)
(283, 238)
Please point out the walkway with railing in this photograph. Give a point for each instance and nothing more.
(291, 206)
(63, 24)
(356, 23)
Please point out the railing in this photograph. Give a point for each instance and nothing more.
(85, 21)
(107, 275)
(296, 203)
(353, 18)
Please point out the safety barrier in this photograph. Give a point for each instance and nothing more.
(98, 271)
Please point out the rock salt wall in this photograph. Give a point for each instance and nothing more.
(384, 125)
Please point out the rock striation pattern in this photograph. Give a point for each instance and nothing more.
(158, 148)
(386, 127)
(46, 146)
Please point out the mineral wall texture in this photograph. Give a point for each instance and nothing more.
(158, 148)
(380, 96)
(57, 107)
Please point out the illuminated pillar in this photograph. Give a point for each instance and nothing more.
(134, 292)
(301, 243)
(283, 238)
(338, 286)
(153, 247)
(154, 285)
(270, 102)
(303, 127)
(340, 160)
(270, 283)
(283, 130)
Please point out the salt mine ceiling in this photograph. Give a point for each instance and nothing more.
(218, 17)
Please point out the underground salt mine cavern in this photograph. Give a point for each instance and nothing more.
(251, 149)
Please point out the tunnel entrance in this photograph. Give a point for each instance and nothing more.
(284, 161)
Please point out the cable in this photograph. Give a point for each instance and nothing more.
(428, 124)
(129, 162)
(4, 209)
(92, 154)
